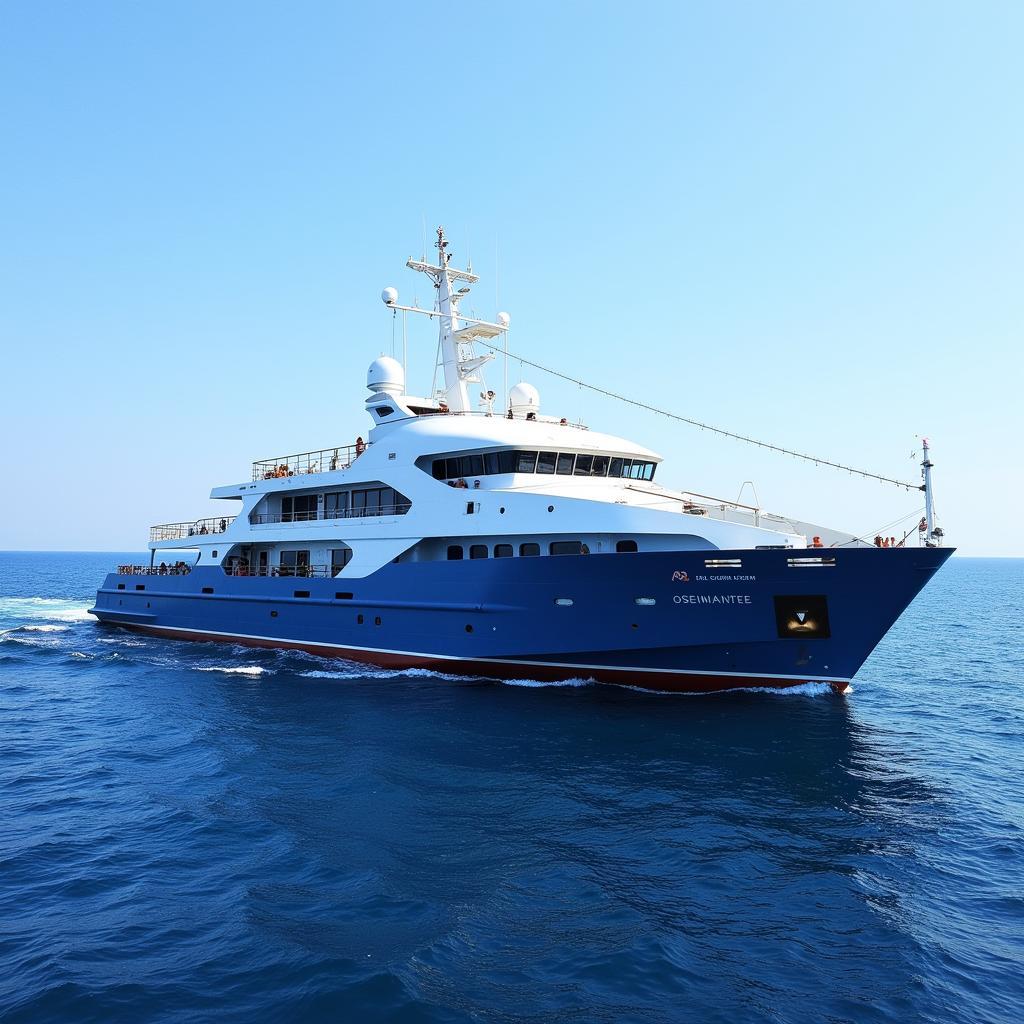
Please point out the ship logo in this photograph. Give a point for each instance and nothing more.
(680, 576)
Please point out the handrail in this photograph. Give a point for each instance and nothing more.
(289, 571)
(196, 528)
(324, 461)
(154, 570)
(264, 518)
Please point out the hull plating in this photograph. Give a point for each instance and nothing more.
(666, 621)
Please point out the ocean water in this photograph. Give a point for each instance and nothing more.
(202, 832)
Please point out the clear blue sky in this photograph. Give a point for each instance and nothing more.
(802, 221)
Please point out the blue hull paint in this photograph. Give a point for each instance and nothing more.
(707, 629)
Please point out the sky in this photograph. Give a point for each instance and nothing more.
(802, 222)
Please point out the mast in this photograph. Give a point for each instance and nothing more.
(932, 535)
(459, 359)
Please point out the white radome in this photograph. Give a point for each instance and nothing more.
(504, 319)
(524, 398)
(389, 296)
(386, 374)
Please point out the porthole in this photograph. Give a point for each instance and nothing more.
(376, 620)
(501, 511)
(469, 628)
(273, 615)
(551, 508)
(359, 620)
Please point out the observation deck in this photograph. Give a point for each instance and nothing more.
(327, 460)
(197, 528)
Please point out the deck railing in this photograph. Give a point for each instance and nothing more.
(324, 461)
(264, 518)
(154, 570)
(197, 528)
(290, 571)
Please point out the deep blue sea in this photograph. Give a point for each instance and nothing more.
(203, 832)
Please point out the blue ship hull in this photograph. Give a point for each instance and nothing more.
(659, 620)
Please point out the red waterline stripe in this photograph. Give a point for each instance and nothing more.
(646, 679)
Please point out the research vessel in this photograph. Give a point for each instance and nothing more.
(479, 536)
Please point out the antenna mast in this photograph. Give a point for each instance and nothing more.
(458, 356)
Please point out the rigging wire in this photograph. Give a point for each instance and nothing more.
(709, 427)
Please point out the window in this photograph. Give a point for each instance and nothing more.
(565, 547)
(340, 557)
(299, 508)
(478, 551)
(526, 462)
(454, 552)
(624, 546)
(301, 593)
(345, 595)
(451, 467)
(529, 549)
(294, 563)
(502, 550)
(546, 463)
(335, 505)
(379, 501)
(383, 410)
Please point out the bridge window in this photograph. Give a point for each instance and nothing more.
(502, 550)
(478, 551)
(624, 546)
(454, 552)
(546, 463)
(526, 462)
(529, 549)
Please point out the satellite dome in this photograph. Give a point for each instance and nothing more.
(524, 398)
(386, 374)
